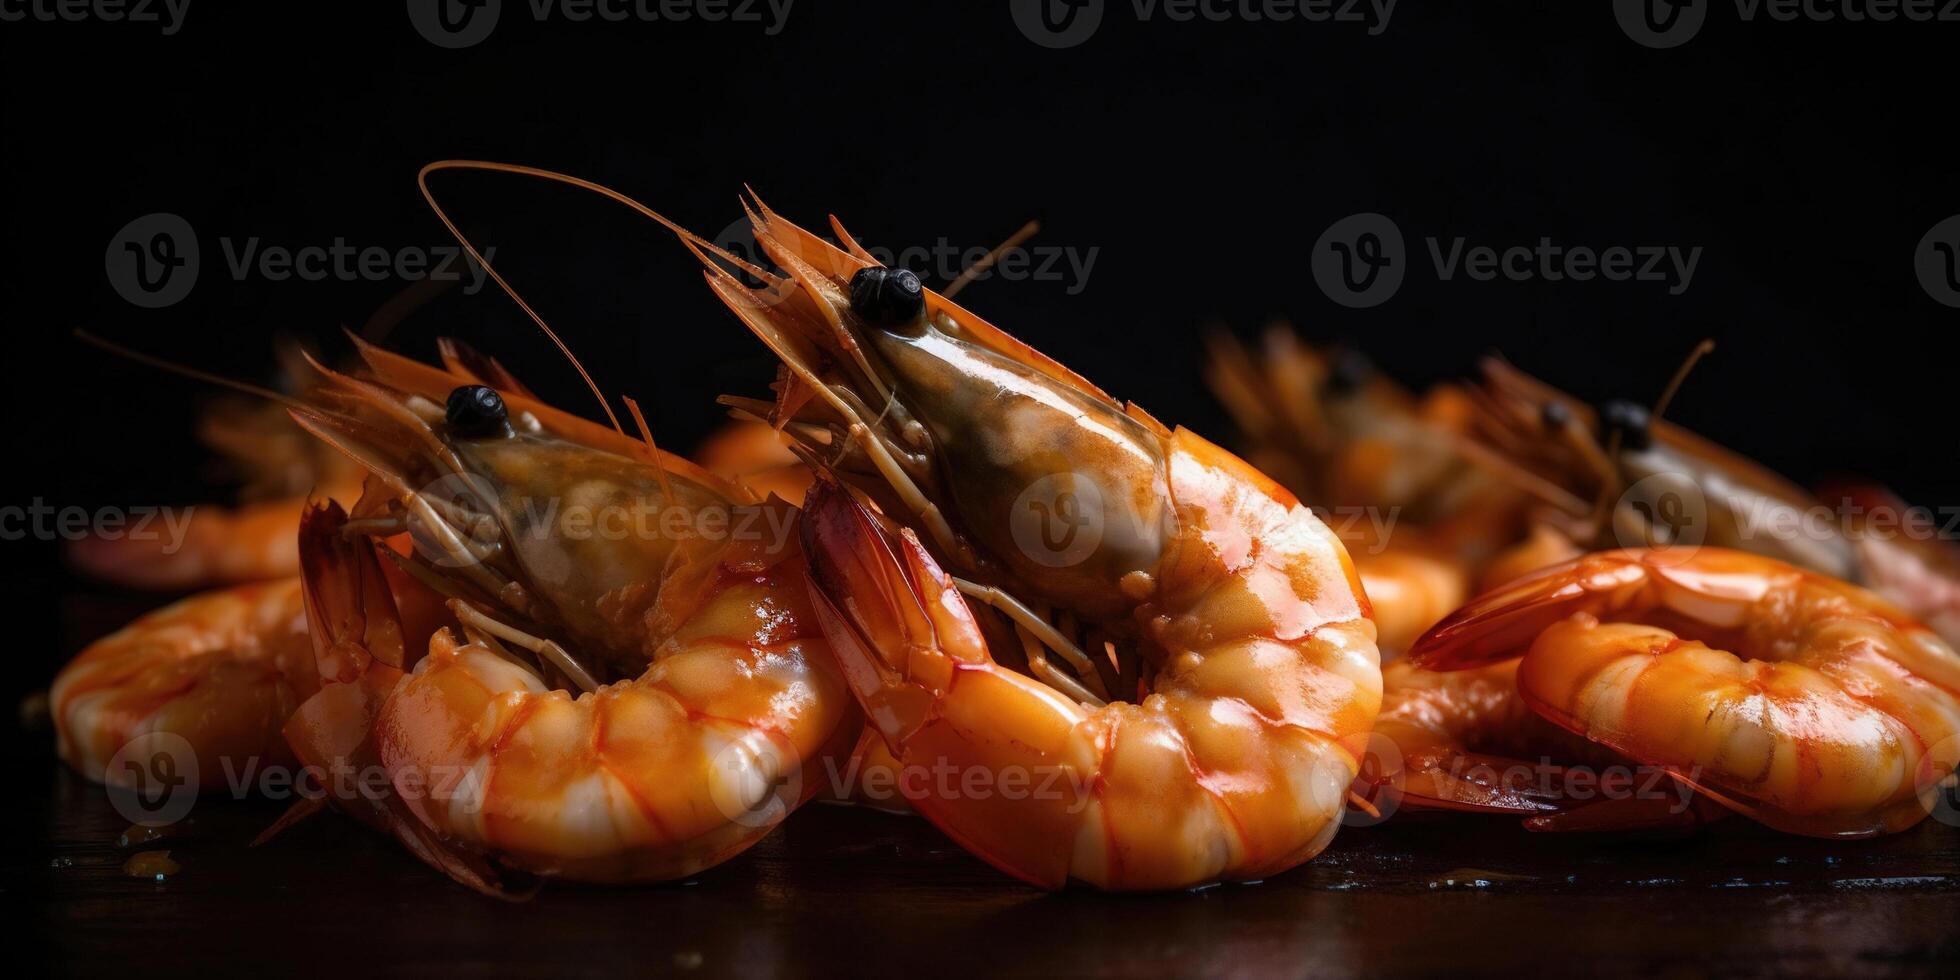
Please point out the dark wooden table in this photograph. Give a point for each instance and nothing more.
(845, 890)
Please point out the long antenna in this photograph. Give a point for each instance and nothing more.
(189, 372)
(987, 261)
(422, 181)
(1701, 350)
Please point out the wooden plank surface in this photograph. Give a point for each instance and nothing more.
(850, 890)
(853, 891)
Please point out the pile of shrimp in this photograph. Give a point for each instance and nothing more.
(1499, 700)
(1148, 663)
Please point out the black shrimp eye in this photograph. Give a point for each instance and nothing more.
(1349, 372)
(1632, 421)
(475, 410)
(1554, 416)
(887, 297)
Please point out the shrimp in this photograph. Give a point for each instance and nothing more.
(708, 696)
(223, 670)
(1636, 479)
(754, 455)
(603, 706)
(1410, 588)
(1337, 431)
(1466, 740)
(1216, 672)
(1806, 703)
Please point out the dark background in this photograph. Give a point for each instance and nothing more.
(1201, 159)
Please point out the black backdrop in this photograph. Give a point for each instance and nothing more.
(1201, 160)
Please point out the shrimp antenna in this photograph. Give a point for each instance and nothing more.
(491, 166)
(194, 374)
(422, 181)
(1694, 357)
(987, 261)
(653, 450)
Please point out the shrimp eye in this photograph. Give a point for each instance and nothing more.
(1632, 422)
(887, 297)
(475, 410)
(1554, 416)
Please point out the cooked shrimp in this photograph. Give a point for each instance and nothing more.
(1806, 703)
(722, 702)
(1543, 547)
(705, 696)
(1635, 479)
(222, 670)
(756, 456)
(1467, 740)
(1409, 588)
(1340, 433)
(1215, 671)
